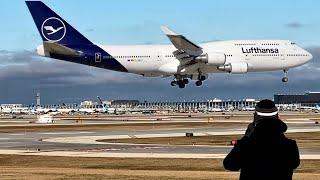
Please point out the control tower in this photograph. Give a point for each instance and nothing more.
(38, 100)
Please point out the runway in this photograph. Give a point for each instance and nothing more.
(84, 144)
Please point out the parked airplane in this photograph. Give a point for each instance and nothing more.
(183, 59)
(14, 109)
(45, 119)
(105, 108)
(309, 108)
(317, 108)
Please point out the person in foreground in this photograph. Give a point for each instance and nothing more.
(264, 152)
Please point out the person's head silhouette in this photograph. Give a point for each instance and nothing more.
(266, 117)
(266, 108)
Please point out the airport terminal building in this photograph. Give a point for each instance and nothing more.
(291, 102)
(209, 105)
(309, 99)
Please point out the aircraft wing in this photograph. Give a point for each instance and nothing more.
(183, 45)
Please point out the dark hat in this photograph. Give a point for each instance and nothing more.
(266, 108)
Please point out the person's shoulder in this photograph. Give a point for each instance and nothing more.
(290, 142)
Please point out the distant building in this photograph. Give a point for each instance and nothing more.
(12, 108)
(87, 103)
(308, 99)
(108, 103)
(211, 105)
(125, 103)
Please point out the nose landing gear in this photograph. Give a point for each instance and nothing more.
(285, 79)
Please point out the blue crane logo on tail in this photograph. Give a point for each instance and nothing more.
(53, 29)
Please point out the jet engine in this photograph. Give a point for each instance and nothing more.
(214, 58)
(235, 68)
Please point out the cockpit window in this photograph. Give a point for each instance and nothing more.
(292, 43)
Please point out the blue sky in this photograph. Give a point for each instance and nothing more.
(22, 73)
(138, 21)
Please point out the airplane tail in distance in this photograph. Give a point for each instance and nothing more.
(52, 27)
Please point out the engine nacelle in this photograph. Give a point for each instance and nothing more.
(214, 58)
(235, 68)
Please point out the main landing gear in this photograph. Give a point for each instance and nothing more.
(200, 79)
(285, 79)
(181, 83)
(198, 83)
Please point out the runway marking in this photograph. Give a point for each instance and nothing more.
(104, 150)
(5, 138)
(155, 147)
(14, 121)
(132, 136)
(66, 133)
(130, 155)
(93, 139)
(17, 134)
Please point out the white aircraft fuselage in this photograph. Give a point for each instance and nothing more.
(256, 55)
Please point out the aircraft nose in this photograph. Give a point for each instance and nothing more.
(310, 56)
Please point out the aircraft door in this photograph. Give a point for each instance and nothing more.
(247, 57)
(159, 57)
(98, 57)
(283, 52)
(283, 55)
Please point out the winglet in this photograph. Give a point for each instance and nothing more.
(168, 31)
(182, 43)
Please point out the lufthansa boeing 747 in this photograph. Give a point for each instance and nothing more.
(183, 59)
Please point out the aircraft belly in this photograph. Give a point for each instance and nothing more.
(265, 65)
(140, 67)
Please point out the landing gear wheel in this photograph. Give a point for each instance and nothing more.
(198, 83)
(185, 81)
(181, 85)
(173, 83)
(202, 78)
(285, 79)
